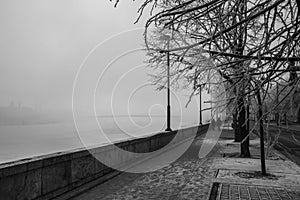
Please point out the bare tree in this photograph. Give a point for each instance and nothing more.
(252, 43)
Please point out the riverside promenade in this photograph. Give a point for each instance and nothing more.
(220, 175)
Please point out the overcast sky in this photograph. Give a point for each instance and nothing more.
(44, 42)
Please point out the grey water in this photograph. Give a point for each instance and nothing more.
(26, 141)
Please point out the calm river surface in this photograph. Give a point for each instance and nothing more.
(24, 141)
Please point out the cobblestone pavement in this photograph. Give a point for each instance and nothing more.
(187, 178)
(252, 192)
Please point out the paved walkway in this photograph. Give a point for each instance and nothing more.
(192, 178)
(236, 191)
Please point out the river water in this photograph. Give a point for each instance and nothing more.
(25, 141)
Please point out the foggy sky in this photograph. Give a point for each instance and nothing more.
(44, 42)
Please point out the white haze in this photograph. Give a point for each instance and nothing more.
(42, 45)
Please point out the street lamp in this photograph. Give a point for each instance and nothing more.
(277, 102)
(166, 37)
(200, 98)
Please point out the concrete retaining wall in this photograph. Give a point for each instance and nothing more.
(53, 175)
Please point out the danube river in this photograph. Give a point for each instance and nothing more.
(25, 141)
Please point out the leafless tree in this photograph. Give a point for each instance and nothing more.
(253, 44)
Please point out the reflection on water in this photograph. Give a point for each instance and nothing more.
(18, 142)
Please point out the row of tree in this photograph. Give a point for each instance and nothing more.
(253, 45)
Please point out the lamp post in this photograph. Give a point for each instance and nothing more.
(200, 98)
(168, 93)
(166, 37)
(277, 102)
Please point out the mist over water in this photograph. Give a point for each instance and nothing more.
(42, 46)
(25, 141)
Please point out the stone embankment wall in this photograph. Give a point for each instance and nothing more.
(54, 175)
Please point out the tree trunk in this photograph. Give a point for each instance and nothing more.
(243, 130)
(261, 131)
(237, 134)
(239, 46)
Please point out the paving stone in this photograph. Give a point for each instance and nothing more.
(186, 179)
(250, 192)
